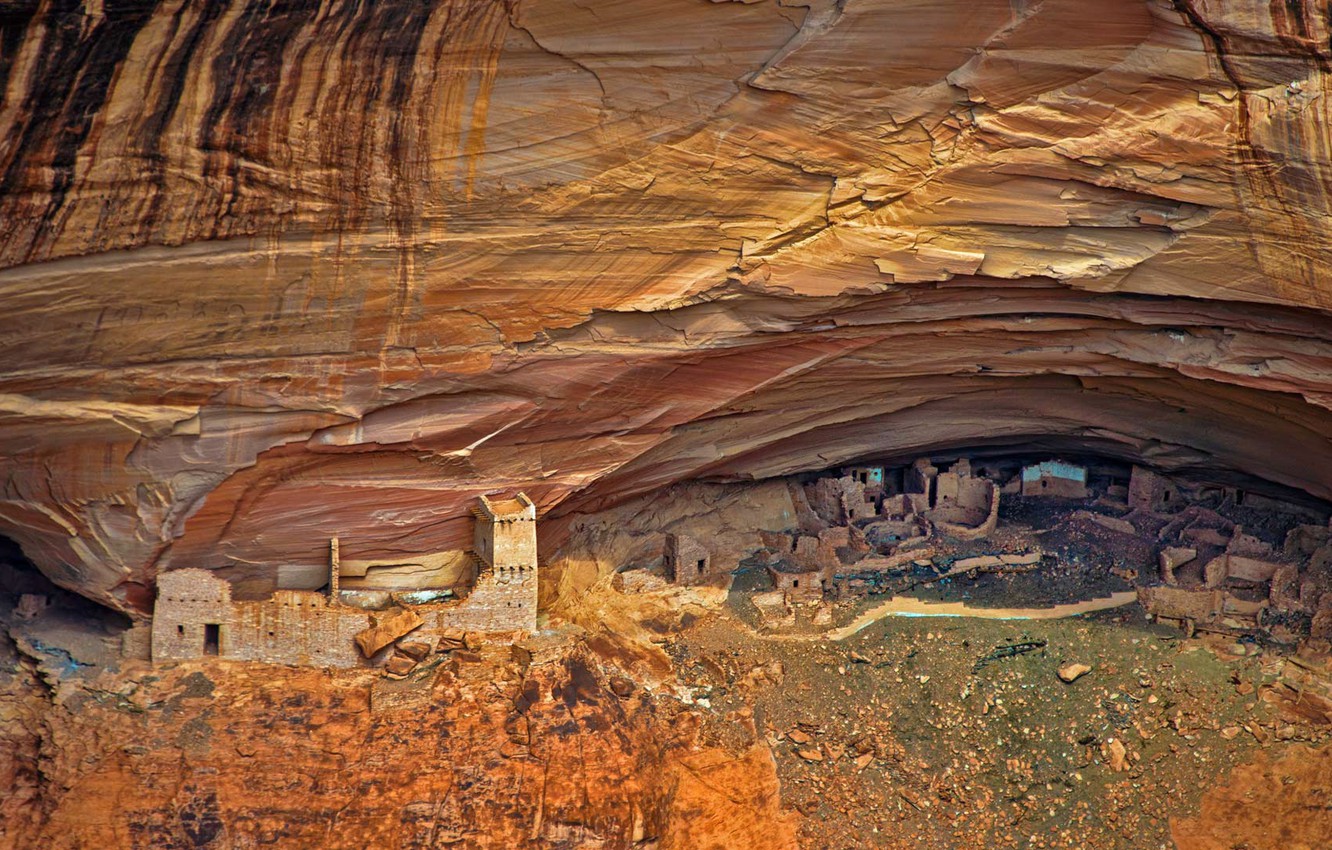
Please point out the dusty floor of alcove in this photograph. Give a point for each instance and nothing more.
(895, 738)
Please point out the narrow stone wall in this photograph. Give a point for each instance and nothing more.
(296, 627)
(504, 599)
(305, 628)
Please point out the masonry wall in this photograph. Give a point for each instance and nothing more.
(507, 543)
(682, 558)
(194, 600)
(1149, 491)
(1054, 485)
(296, 627)
(980, 529)
(504, 599)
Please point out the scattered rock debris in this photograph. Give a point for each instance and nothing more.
(1072, 672)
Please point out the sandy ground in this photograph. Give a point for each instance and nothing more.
(901, 735)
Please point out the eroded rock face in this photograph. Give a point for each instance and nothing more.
(256, 755)
(275, 273)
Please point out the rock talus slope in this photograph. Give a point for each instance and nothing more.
(275, 272)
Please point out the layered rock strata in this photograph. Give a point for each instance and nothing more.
(275, 273)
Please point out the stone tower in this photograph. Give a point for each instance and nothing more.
(506, 532)
(505, 595)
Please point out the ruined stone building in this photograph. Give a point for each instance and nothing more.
(797, 583)
(686, 560)
(504, 596)
(920, 479)
(841, 500)
(1151, 492)
(962, 504)
(869, 476)
(195, 616)
(1055, 478)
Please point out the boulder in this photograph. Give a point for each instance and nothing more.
(451, 639)
(415, 650)
(400, 665)
(387, 629)
(1073, 671)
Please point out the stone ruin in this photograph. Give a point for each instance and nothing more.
(686, 560)
(1055, 478)
(868, 519)
(196, 617)
(857, 527)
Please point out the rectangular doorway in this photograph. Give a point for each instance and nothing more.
(212, 638)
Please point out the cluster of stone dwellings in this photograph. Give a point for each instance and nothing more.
(868, 520)
(853, 521)
(195, 616)
(1214, 576)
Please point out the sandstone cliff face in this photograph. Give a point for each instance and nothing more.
(232, 756)
(275, 272)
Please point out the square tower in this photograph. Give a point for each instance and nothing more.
(1151, 492)
(686, 559)
(192, 615)
(504, 597)
(506, 533)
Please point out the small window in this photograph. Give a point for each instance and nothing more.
(702, 565)
(795, 582)
(1166, 496)
(180, 631)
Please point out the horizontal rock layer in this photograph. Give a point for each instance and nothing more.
(274, 273)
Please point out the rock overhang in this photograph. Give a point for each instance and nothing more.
(610, 262)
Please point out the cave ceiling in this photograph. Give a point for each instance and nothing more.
(278, 272)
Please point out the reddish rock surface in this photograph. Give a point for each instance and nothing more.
(1273, 804)
(233, 755)
(278, 273)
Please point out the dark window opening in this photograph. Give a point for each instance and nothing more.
(702, 565)
(1044, 484)
(795, 542)
(795, 582)
(1239, 497)
(1166, 496)
(180, 630)
(212, 638)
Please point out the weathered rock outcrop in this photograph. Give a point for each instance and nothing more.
(278, 272)
(236, 755)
